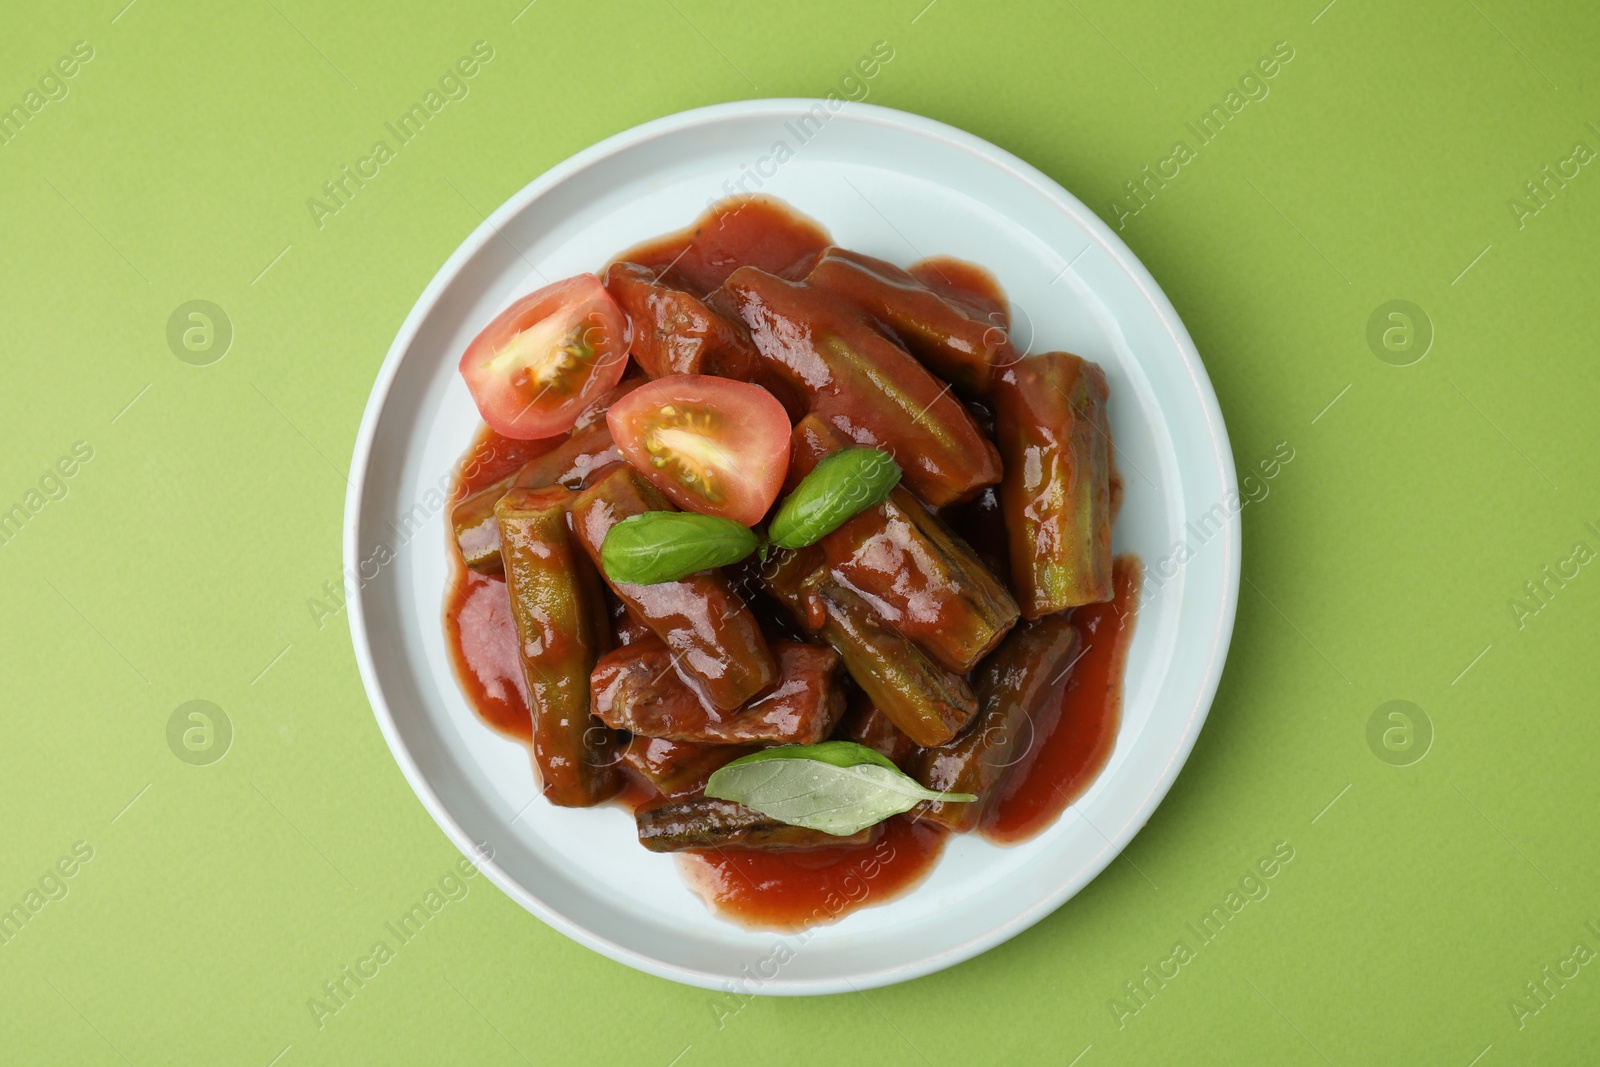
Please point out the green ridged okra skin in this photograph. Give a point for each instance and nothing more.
(1019, 690)
(563, 630)
(928, 703)
(1055, 442)
(566, 465)
(921, 578)
(852, 375)
(704, 822)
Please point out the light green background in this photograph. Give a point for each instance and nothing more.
(1381, 565)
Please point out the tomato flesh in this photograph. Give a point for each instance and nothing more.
(712, 445)
(547, 357)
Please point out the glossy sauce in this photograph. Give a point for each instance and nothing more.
(793, 890)
(491, 457)
(753, 231)
(480, 634)
(1068, 756)
(790, 891)
(966, 284)
(482, 639)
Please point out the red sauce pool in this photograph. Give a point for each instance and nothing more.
(791, 891)
(1070, 753)
(753, 231)
(484, 651)
(479, 631)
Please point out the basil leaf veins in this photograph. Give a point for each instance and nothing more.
(838, 787)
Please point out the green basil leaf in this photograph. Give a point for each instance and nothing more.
(838, 787)
(842, 485)
(664, 546)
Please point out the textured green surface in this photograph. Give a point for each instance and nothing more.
(1382, 564)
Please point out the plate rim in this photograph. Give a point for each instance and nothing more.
(1097, 230)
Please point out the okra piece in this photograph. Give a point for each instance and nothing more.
(784, 577)
(923, 580)
(928, 703)
(1056, 495)
(920, 577)
(679, 767)
(673, 331)
(636, 689)
(1019, 690)
(864, 384)
(866, 725)
(674, 825)
(562, 630)
(981, 525)
(924, 700)
(812, 438)
(568, 464)
(954, 343)
(716, 645)
(625, 625)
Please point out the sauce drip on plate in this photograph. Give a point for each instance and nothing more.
(791, 891)
(1068, 753)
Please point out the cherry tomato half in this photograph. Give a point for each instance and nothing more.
(545, 358)
(713, 445)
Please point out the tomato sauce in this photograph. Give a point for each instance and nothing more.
(1067, 756)
(753, 231)
(491, 457)
(791, 891)
(482, 639)
(480, 635)
(767, 890)
(966, 284)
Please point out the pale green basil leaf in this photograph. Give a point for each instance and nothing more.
(838, 787)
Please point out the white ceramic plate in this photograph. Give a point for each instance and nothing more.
(888, 184)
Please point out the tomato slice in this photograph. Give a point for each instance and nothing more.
(543, 360)
(713, 445)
